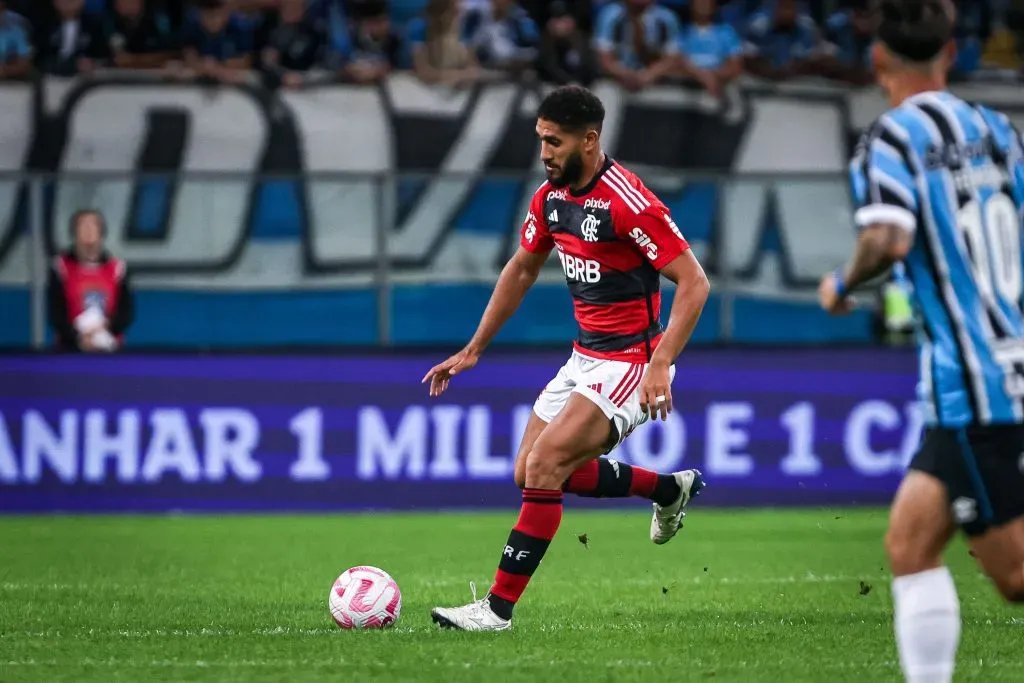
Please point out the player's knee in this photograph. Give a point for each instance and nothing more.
(907, 555)
(544, 469)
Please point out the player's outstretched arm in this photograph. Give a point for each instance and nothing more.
(692, 289)
(516, 278)
(879, 246)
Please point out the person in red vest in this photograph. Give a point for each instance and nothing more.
(90, 299)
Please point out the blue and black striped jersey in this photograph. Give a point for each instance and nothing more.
(952, 173)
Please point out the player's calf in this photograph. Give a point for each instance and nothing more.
(606, 478)
(1000, 552)
(1011, 586)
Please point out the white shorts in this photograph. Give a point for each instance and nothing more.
(612, 385)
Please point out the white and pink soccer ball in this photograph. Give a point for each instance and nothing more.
(365, 597)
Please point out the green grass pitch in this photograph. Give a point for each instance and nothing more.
(737, 596)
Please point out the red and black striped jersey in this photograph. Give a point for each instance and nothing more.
(612, 236)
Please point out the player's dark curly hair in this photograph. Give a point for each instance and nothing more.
(916, 30)
(572, 107)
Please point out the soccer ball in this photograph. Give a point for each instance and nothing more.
(365, 597)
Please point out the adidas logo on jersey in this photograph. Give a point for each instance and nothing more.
(597, 204)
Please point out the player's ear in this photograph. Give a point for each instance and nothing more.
(590, 139)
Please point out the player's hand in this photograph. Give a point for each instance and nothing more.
(440, 375)
(829, 298)
(656, 390)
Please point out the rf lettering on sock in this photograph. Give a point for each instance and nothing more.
(538, 522)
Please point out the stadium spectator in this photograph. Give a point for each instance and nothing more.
(1015, 26)
(439, 54)
(637, 42)
(141, 36)
(74, 41)
(565, 53)
(371, 49)
(582, 11)
(502, 35)
(15, 45)
(254, 7)
(90, 301)
(294, 41)
(973, 29)
(782, 43)
(711, 52)
(218, 44)
(849, 34)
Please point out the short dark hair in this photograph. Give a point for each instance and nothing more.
(916, 30)
(572, 107)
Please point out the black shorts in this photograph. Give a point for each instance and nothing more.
(982, 468)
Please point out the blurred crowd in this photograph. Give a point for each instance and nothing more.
(289, 43)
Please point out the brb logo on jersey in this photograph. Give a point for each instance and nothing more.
(589, 228)
(643, 241)
(581, 270)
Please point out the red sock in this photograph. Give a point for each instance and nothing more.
(604, 478)
(538, 521)
(584, 480)
(643, 482)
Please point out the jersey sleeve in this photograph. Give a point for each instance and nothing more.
(654, 234)
(534, 236)
(884, 188)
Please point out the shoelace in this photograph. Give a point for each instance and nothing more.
(479, 607)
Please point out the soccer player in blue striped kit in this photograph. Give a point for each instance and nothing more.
(939, 184)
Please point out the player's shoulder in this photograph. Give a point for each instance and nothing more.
(540, 194)
(994, 117)
(626, 192)
(893, 126)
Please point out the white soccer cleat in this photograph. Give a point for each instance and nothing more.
(668, 520)
(476, 616)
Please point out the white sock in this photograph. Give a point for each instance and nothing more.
(927, 617)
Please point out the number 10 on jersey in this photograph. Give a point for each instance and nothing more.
(991, 231)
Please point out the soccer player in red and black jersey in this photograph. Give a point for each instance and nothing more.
(615, 240)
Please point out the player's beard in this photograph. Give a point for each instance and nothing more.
(572, 169)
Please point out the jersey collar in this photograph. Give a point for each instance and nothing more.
(589, 187)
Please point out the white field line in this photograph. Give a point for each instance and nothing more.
(518, 663)
(330, 631)
(709, 579)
